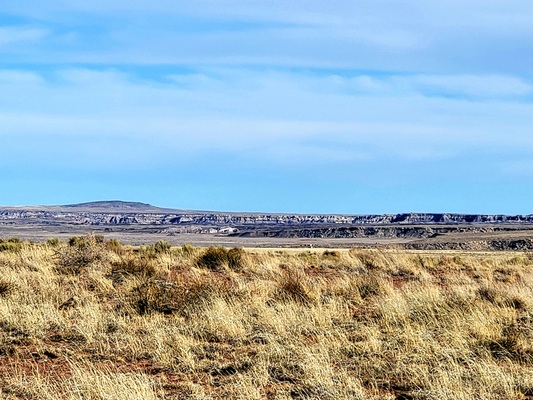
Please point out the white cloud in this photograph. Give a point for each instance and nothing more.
(266, 116)
(359, 92)
(472, 85)
(470, 38)
(482, 86)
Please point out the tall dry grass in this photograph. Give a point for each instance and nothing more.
(91, 319)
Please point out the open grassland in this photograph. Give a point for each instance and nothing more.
(92, 319)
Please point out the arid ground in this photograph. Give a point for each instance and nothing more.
(93, 319)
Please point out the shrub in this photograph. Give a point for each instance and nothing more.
(186, 295)
(115, 246)
(187, 249)
(217, 258)
(331, 254)
(139, 266)
(214, 258)
(12, 244)
(86, 240)
(53, 242)
(75, 241)
(369, 285)
(369, 259)
(6, 287)
(81, 252)
(237, 259)
(146, 251)
(148, 297)
(162, 247)
(295, 285)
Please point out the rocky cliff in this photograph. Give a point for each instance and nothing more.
(134, 216)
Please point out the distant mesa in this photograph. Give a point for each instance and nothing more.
(136, 222)
(129, 212)
(114, 204)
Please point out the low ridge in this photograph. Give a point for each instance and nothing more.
(131, 220)
(111, 204)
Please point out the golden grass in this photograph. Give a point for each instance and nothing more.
(96, 320)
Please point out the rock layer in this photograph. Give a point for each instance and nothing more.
(414, 230)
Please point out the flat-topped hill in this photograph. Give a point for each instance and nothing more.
(137, 222)
(102, 212)
(114, 206)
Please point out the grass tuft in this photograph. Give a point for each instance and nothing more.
(93, 319)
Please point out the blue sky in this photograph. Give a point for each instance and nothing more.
(302, 106)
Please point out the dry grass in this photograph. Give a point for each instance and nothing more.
(95, 320)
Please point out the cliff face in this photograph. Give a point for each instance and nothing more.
(418, 229)
(242, 220)
(139, 223)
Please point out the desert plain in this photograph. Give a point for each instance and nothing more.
(416, 310)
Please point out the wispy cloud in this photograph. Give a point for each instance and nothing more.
(481, 86)
(278, 114)
(20, 34)
(409, 36)
(339, 94)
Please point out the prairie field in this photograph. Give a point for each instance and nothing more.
(91, 318)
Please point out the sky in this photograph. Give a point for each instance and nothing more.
(353, 107)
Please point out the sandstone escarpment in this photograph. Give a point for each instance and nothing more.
(415, 230)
